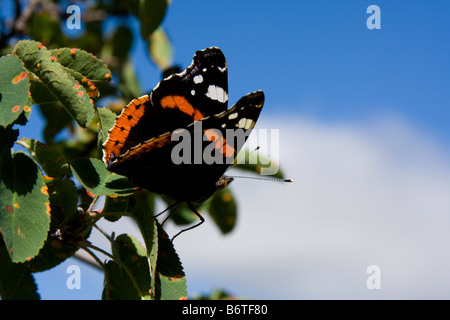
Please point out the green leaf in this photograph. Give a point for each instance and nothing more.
(13, 89)
(45, 27)
(122, 40)
(151, 14)
(7, 138)
(216, 294)
(117, 285)
(223, 210)
(183, 215)
(160, 49)
(25, 115)
(129, 82)
(54, 252)
(170, 282)
(63, 201)
(114, 207)
(16, 280)
(83, 63)
(67, 227)
(95, 177)
(106, 119)
(147, 226)
(135, 268)
(48, 158)
(61, 84)
(40, 93)
(86, 68)
(24, 206)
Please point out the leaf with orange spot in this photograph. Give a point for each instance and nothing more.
(170, 282)
(223, 210)
(89, 71)
(54, 252)
(56, 79)
(143, 215)
(16, 280)
(106, 119)
(24, 218)
(48, 157)
(13, 89)
(63, 201)
(83, 63)
(132, 282)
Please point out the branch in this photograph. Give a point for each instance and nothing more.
(21, 22)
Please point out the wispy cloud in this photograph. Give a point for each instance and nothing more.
(366, 193)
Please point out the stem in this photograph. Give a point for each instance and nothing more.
(100, 265)
(106, 253)
(107, 236)
(23, 144)
(91, 206)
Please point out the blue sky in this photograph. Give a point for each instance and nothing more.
(325, 73)
(318, 57)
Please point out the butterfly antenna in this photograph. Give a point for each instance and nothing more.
(266, 179)
(236, 163)
(194, 226)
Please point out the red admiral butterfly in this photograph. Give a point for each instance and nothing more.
(143, 143)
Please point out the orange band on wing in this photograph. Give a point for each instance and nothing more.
(221, 144)
(117, 136)
(182, 104)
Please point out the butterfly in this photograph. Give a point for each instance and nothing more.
(181, 139)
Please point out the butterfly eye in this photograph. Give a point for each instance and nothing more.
(112, 158)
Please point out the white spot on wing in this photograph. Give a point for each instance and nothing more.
(193, 92)
(217, 93)
(233, 116)
(222, 69)
(246, 124)
(198, 79)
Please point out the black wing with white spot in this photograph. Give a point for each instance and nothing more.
(199, 91)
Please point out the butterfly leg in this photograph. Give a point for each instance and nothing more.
(194, 226)
(175, 204)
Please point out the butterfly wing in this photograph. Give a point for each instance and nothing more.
(152, 164)
(199, 91)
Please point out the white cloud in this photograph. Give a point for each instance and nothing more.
(371, 193)
(374, 193)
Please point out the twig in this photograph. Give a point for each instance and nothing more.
(21, 22)
(98, 264)
(91, 206)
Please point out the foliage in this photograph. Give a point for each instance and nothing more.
(45, 216)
